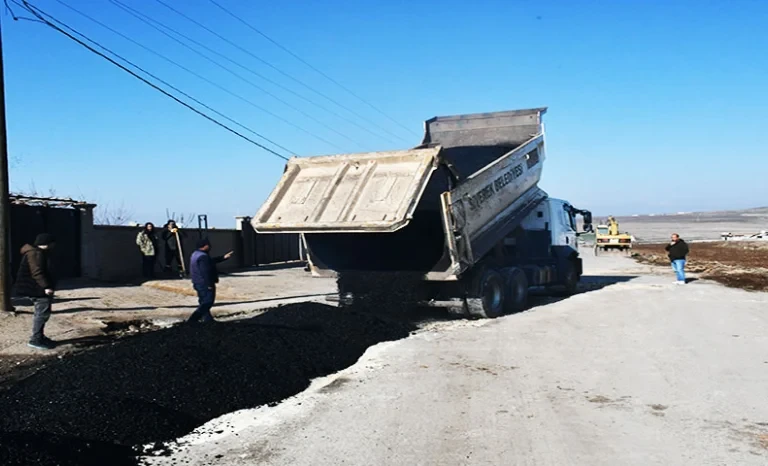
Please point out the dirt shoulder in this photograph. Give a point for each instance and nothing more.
(735, 264)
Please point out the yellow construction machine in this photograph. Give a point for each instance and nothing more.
(608, 238)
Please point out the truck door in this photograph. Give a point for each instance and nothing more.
(563, 225)
(570, 226)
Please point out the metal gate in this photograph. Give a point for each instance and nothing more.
(29, 221)
(276, 248)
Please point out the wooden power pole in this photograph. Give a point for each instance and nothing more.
(5, 256)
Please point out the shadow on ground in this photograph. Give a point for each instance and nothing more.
(265, 268)
(588, 284)
(74, 310)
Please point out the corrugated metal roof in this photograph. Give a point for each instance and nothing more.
(40, 201)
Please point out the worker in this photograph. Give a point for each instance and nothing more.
(36, 281)
(677, 250)
(204, 279)
(613, 226)
(146, 240)
(172, 237)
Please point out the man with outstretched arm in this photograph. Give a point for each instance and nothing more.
(202, 269)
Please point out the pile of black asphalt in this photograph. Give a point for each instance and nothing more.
(101, 406)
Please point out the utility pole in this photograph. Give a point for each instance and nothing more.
(5, 257)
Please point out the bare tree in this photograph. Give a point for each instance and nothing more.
(105, 213)
(109, 214)
(183, 220)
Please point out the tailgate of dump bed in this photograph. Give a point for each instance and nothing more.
(369, 192)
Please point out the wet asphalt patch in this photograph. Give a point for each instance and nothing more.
(103, 404)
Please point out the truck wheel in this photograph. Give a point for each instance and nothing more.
(570, 279)
(485, 299)
(516, 298)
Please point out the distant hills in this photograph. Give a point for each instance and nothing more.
(694, 225)
(714, 215)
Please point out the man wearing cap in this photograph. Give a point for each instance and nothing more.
(36, 281)
(202, 270)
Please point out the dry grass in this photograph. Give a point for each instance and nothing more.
(737, 265)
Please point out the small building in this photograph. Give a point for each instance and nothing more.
(62, 217)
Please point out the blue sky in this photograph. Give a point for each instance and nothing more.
(654, 106)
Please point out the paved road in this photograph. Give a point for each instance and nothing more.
(639, 372)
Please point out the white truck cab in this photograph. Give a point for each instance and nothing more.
(557, 218)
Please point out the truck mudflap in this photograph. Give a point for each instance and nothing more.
(371, 192)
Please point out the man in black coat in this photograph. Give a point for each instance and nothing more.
(677, 251)
(37, 282)
(172, 236)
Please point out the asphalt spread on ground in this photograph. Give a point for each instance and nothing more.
(101, 405)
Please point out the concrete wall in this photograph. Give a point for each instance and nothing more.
(110, 252)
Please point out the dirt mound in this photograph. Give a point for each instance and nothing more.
(735, 264)
(161, 385)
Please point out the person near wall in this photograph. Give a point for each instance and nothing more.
(36, 281)
(146, 240)
(172, 236)
(677, 250)
(202, 270)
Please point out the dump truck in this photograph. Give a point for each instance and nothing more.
(462, 212)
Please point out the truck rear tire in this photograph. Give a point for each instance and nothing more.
(486, 295)
(516, 297)
(570, 279)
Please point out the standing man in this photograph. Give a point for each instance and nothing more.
(202, 268)
(677, 250)
(172, 237)
(36, 281)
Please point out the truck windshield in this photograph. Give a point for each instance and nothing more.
(602, 230)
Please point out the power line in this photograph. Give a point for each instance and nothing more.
(160, 26)
(248, 52)
(321, 73)
(138, 16)
(38, 13)
(255, 105)
(17, 18)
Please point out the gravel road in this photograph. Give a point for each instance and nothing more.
(639, 372)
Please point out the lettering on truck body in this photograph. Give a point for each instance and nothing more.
(478, 199)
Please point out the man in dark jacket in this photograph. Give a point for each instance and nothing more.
(677, 250)
(202, 270)
(36, 281)
(172, 236)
